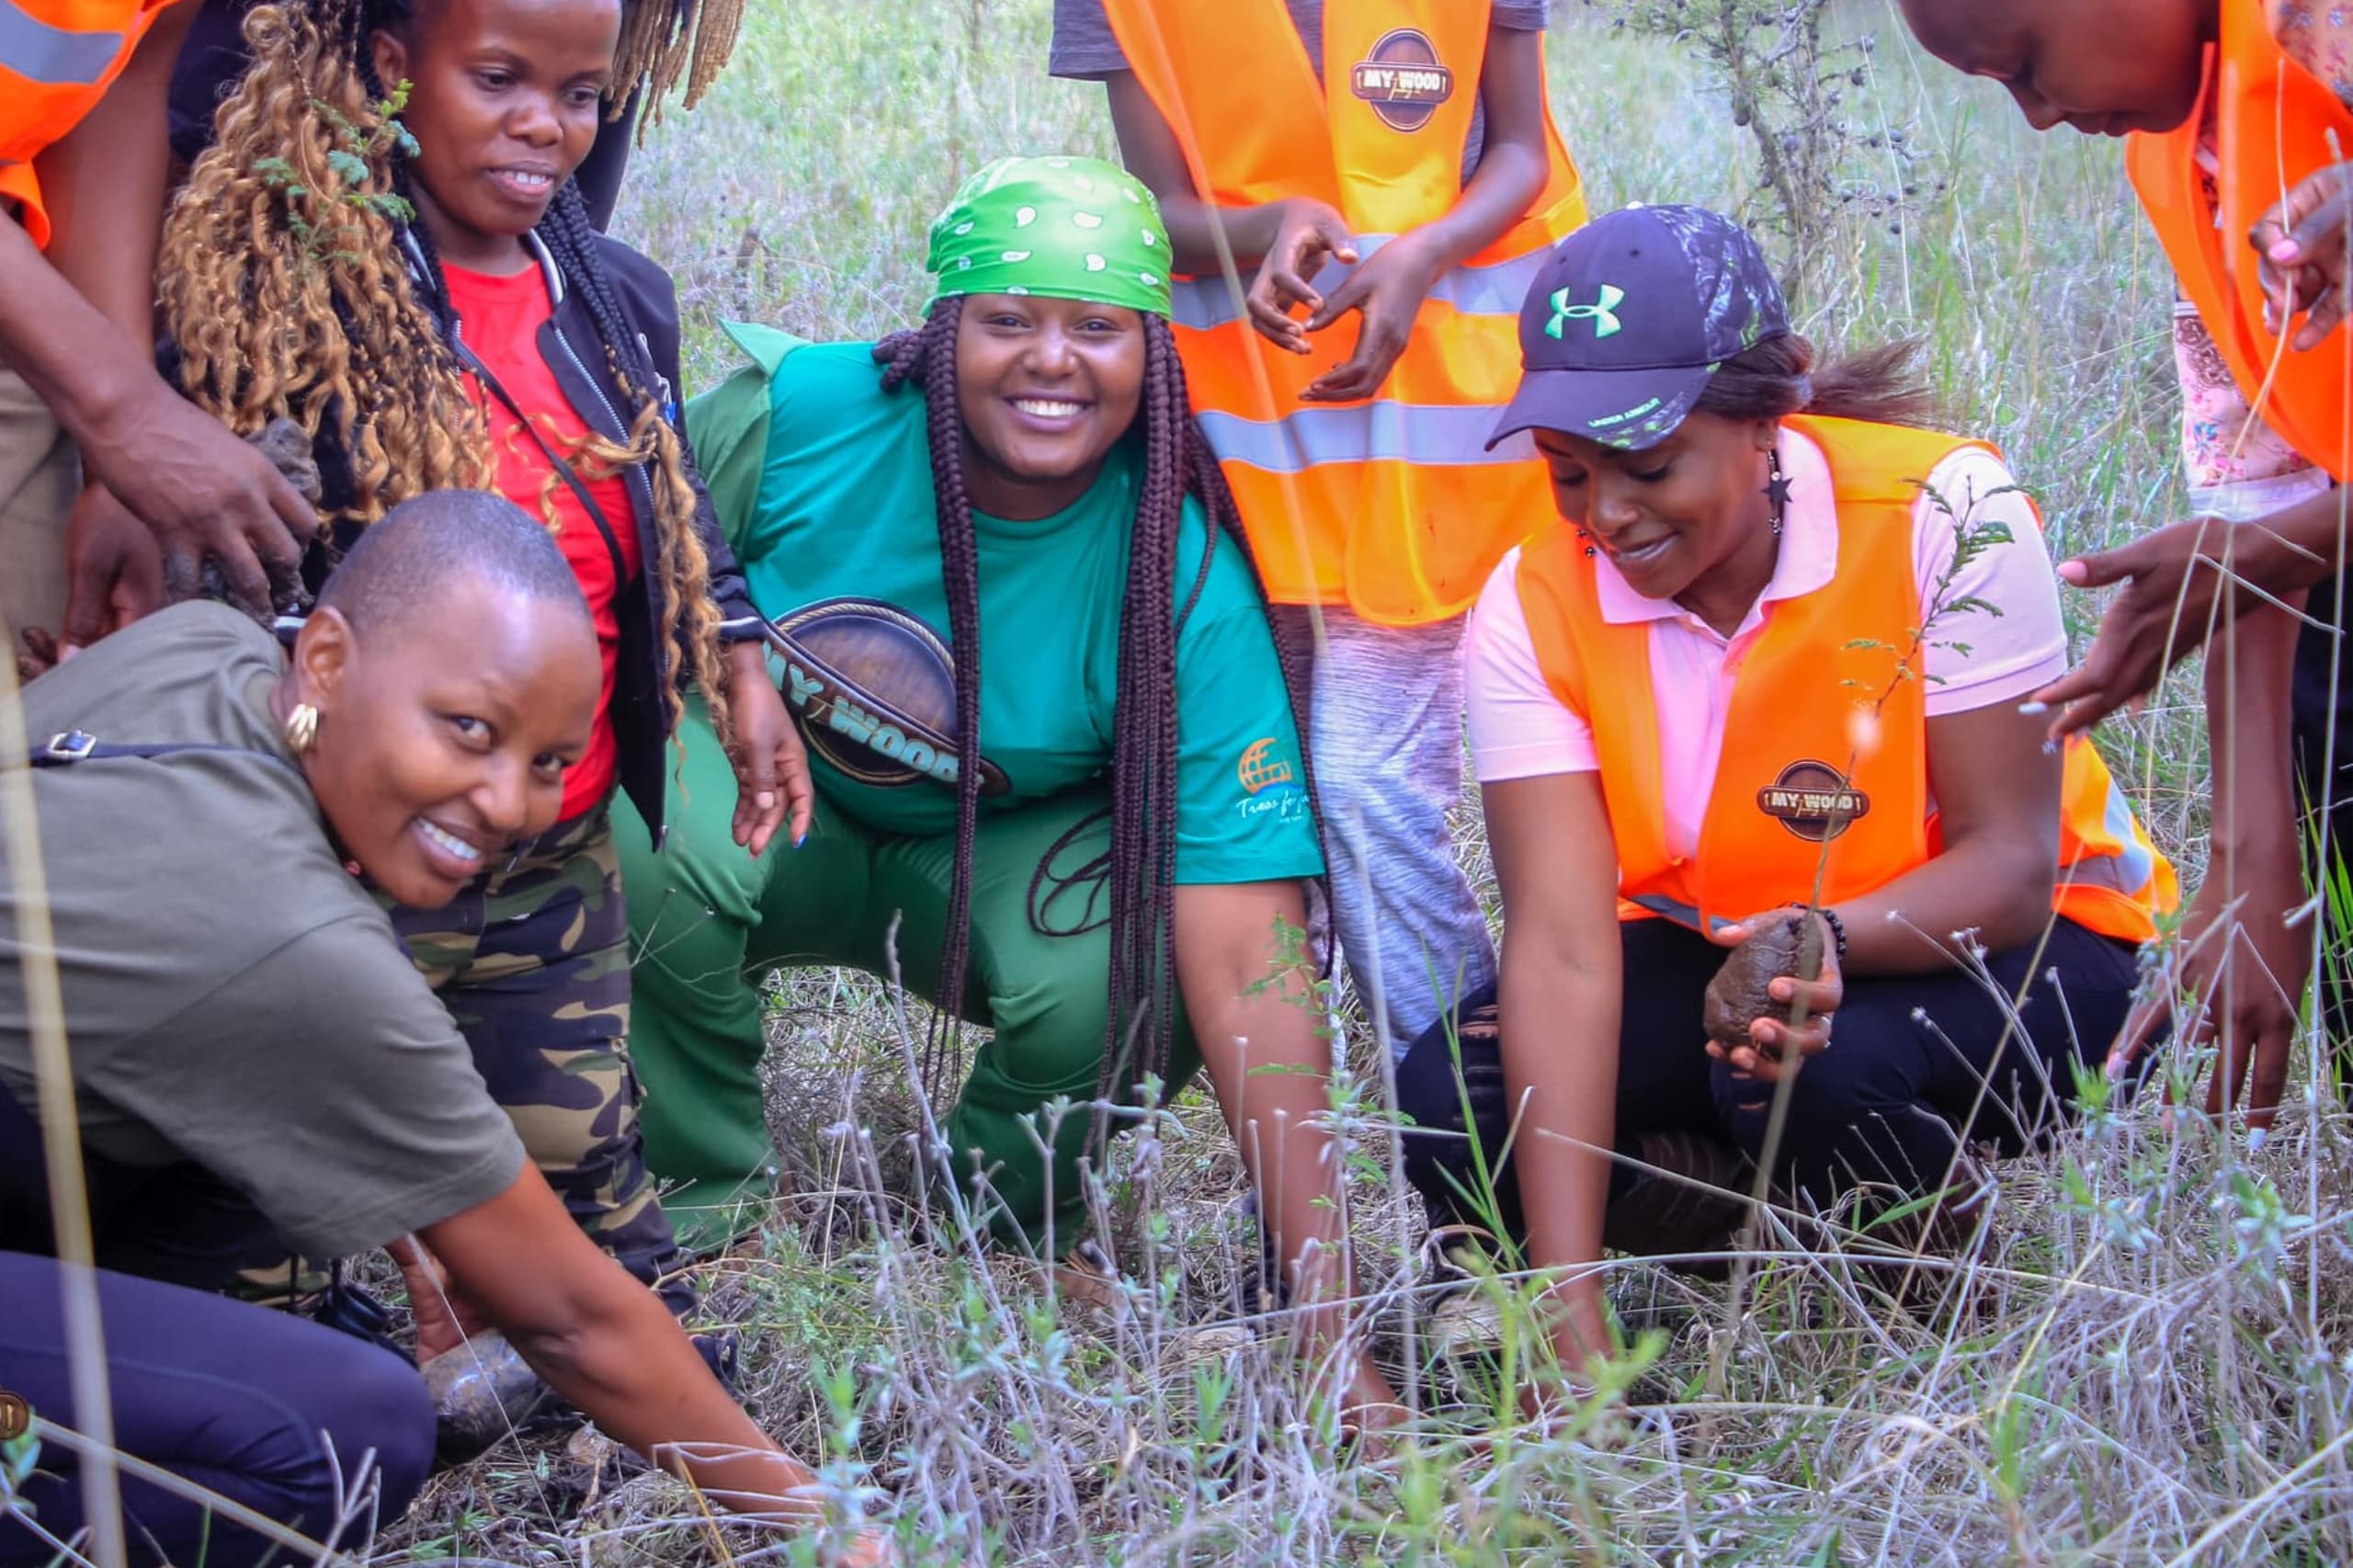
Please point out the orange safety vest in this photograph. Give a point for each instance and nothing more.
(2272, 120)
(1392, 505)
(1791, 772)
(57, 60)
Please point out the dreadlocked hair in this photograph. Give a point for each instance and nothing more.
(288, 289)
(1140, 1033)
(663, 39)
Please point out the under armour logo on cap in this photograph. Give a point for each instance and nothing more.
(1706, 295)
(1602, 313)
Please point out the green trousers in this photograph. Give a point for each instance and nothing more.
(707, 921)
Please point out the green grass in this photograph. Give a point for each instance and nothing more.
(2144, 1360)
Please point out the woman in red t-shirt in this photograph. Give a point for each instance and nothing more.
(426, 293)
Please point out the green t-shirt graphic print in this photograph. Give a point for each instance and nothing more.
(836, 527)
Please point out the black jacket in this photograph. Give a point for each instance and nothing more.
(575, 352)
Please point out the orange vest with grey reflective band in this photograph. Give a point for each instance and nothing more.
(57, 60)
(2272, 119)
(1802, 764)
(1392, 505)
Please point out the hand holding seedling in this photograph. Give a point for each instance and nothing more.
(2303, 246)
(1765, 969)
(203, 494)
(1309, 235)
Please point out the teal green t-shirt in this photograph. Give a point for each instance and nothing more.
(840, 545)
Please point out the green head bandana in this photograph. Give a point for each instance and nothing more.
(1073, 228)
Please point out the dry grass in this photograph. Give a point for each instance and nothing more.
(2143, 1361)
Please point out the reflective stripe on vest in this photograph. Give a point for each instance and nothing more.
(1392, 506)
(1371, 432)
(57, 60)
(1790, 775)
(50, 56)
(1205, 305)
(2272, 119)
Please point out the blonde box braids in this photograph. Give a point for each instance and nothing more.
(288, 293)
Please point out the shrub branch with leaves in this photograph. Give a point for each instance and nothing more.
(1791, 88)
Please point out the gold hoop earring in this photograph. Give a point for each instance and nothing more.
(302, 728)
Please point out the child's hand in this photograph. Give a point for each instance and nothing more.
(1311, 234)
(1388, 291)
(2302, 244)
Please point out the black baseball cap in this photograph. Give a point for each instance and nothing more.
(1630, 317)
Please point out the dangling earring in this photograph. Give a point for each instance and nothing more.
(301, 729)
(1776, 489)
(1586, 539)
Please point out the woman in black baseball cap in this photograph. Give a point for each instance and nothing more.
(1756, 693)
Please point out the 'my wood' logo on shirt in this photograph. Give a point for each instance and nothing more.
(1813, 801)
(1403, 82)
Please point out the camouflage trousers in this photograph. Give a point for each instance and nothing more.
(532, 961)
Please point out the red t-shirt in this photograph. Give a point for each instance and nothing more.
(501, 318)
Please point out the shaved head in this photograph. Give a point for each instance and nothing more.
(455, 673)
(412, 556)
(2106, 67)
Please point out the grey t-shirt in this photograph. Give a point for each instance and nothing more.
(232, 997)
(1086, 50)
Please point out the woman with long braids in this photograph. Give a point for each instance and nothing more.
(423, 296)
(1029, 657)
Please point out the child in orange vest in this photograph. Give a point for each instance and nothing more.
(1386, 177)
(82, 169)
(1691, 716)
(2220, 99)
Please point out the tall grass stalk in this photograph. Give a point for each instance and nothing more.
(61, 1128)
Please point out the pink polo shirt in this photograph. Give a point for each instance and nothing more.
(1519, 729)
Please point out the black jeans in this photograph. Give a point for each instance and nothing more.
(1911, 1057)
(2319, 717)
(239, 1400)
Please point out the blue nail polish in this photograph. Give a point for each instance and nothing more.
(800, 838)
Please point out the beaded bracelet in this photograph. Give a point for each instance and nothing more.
(1837, 930)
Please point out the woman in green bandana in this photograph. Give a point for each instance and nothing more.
(1061, 784)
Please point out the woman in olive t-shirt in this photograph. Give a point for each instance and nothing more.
(1050, 733)
(251, 1052)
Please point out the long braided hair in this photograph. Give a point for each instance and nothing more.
(1141, 1031)
(291, 271)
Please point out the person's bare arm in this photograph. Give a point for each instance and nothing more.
(2242, 966)
(1559, 1000)
(102, 183)
(607, 1344)
(77, 325)
(1998, 801)
(1271, 1067)
(1149, 148)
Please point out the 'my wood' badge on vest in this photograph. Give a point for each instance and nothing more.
(1813, 801)
(1404, 81)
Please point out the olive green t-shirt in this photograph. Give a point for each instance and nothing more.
(232, 996)
(839, 516)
